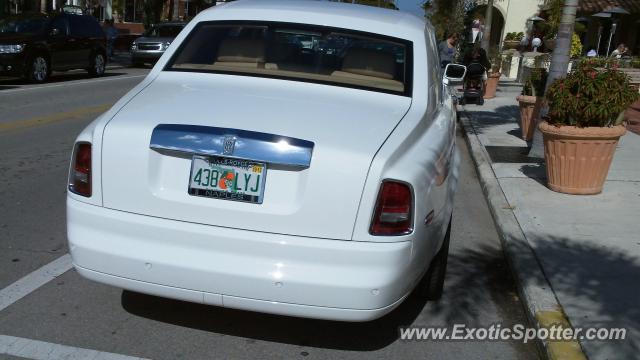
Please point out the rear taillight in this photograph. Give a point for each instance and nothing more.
(80, 177)
(394, 210)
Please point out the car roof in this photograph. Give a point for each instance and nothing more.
(328, 13)
(170, 23)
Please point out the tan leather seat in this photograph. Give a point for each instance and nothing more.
(369, 62)
(241, 52)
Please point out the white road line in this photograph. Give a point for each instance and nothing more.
(40, 350)
(71, 83)
(34, 280)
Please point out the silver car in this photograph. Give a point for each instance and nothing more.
(151, 46)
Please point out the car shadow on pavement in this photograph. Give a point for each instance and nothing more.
(476, 278)
(366, 336)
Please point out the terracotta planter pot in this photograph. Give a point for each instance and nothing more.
(549, 44)
(529, 111)
(492, 85)
(578, 159)
(510, 44)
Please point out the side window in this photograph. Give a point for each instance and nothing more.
(61, 24)
(79, 26)
(95, 28)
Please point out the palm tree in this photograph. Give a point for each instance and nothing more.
(559, 62)
(486, 34)
(176, 10)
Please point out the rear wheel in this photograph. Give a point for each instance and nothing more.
(432, 284)
(137, 63)
(39, 69)
(480, 100)
(97, 65)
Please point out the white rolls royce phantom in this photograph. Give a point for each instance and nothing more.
(287, 157)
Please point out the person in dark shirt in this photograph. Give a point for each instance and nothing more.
(477, 55)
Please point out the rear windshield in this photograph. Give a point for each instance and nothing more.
(168, 31)
(298, 52)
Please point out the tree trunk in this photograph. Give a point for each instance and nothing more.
(176, 10)
(486, 34)
(559, 63)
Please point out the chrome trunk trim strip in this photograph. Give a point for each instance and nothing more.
(249, 145)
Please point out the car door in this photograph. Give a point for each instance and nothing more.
(61, 47)
(80, 40)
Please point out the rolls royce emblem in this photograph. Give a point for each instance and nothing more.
(228, 144)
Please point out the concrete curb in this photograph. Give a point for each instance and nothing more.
(541, 305)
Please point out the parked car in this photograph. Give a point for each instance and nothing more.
(150, 46)
(31, 46)
(244, 172)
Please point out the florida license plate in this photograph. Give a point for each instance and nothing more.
(227, 178)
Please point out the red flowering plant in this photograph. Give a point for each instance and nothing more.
(589, 96)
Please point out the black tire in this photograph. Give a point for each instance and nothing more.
(137, 63)
(97, 64)
(39, 69)
(480, 101)
(462, 101)
(432, 284)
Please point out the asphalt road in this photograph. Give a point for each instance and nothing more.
(38, 124)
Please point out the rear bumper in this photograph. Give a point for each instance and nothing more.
(287, 275)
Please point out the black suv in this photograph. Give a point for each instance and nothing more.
(31, 46)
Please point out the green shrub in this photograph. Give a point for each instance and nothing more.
(534, 83)
(590, 97)
(576, 46)
(511, 36)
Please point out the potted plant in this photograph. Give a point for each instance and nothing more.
(586, 112)
(531, 101)
(549, 42)
(512, 40)
(493, 75)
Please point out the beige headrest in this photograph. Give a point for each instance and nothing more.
(241, 50)
(369, 62)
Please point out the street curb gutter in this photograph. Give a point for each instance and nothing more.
(541, 305)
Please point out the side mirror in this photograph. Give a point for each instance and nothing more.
(454, 72)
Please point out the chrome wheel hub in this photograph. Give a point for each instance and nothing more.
(98, 64)
(40, 68)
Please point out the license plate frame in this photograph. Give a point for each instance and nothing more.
(227, 163)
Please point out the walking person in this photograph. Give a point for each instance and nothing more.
(447, 49)
(112, 33)
(620, 51)
(476, 31)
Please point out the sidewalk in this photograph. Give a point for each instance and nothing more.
(588, 247)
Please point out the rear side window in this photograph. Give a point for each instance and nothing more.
(94, 29)
(61, 24)
(85, 26)
(299, 52)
